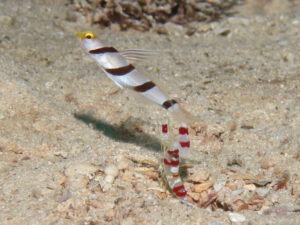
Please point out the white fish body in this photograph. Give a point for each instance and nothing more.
(124, 74)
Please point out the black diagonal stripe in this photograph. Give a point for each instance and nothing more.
(103, 50)
(121, 70)
(169, 103)
(144, 87)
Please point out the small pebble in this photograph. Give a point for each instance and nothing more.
(236, 192)
(49, 84)
(80, 169)
(202, 187)
(194, 196)
(236, 217)
(250, 187)
(262, 191)
(139, 187)
(62, 154)
(106, 186)
(111, 170)
(124, 164)
(111, 173)
(222, 31)
(161, 30)
(219, 185)
(199, 177)
(109, 179)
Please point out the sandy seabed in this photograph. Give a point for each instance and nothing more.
(76, 150)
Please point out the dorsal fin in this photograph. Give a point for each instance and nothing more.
(136, 55)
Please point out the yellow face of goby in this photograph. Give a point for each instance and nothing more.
(89, 40)
(86, 35)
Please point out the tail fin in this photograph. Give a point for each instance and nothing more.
(182, 115)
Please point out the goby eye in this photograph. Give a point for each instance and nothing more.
(89, 35)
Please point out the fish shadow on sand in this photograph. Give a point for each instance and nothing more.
(121, 132)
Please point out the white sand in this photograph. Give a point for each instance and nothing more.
(245, 86)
